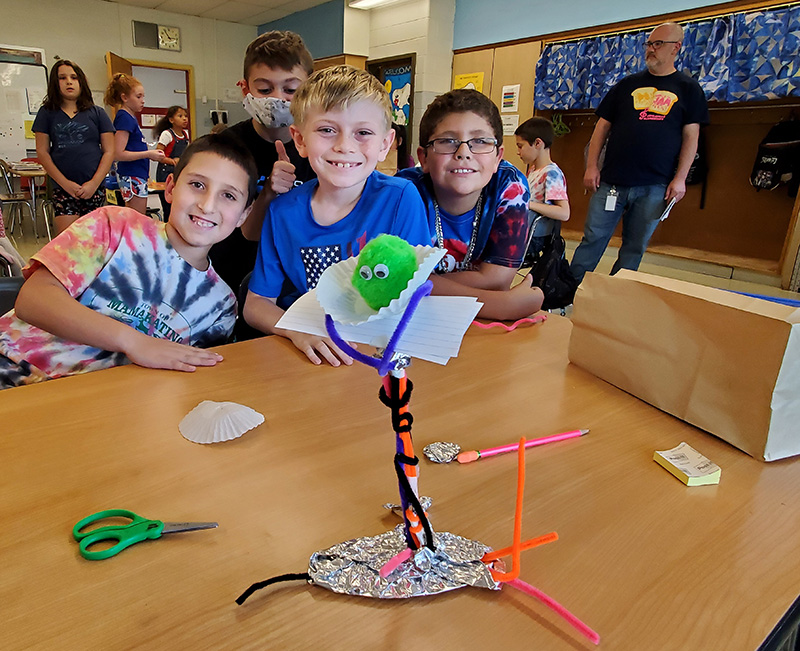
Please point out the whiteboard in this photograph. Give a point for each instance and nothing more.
(22, 89)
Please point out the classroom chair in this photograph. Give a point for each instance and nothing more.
(14, 201)
(242, 331)
(9, 288)
(43, 193)
(5, 267)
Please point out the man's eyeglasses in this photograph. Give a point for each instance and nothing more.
(657, 44)
(452, 145)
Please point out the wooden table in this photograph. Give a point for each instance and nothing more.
(647, 562)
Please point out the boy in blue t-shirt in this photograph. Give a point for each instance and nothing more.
(477, 204)
(342, 125)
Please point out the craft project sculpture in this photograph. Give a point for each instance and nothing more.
(384, 269)
(411, 560)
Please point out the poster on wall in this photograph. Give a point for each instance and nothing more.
(398, 84)
(510, 124)
(472, 80)
(397, 76)
(510, 102)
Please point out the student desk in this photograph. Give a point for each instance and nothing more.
(644, 560)
(38, 186)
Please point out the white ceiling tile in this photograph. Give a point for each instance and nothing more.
(232, 11)
(266, 17)
(267, 4)
(189, 7)
(300, 5)
(249, 12)
(147, 4)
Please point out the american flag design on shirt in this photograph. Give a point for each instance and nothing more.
(317, 259)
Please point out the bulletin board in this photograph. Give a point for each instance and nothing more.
(23, 86)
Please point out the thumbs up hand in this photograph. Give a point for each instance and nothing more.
(282, 178)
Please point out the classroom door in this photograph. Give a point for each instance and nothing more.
(115, 64)
(165, 85)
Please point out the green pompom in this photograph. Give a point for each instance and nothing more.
(383, 269)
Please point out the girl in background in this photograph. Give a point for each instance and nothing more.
(74, 143)
(404, 158)
(398, 157)
(126, 94)
(173, 138)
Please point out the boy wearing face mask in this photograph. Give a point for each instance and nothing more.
(275, 64)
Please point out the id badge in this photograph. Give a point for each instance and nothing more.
(611, 200)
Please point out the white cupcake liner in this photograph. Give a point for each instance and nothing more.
(339, 298)
(214, 422)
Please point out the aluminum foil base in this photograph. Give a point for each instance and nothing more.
(442, 451)
(352, 567)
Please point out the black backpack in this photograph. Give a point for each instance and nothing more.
(698, 172)
(551, 273)
(778, 158)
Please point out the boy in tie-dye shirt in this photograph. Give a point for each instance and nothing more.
(117, 287)
(549, 204)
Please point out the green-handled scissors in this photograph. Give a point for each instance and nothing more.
(137, 530)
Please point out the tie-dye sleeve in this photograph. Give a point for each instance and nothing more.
(509, 234)
(555, 188)
(77, 255)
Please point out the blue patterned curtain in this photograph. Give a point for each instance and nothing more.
(737, 58)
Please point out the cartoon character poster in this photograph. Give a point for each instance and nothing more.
(398, 84)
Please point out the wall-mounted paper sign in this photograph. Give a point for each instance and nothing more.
(510, 103)
(149, 119)
(35, 99)
(510, 124)
(469, 80)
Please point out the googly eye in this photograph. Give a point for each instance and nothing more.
(365, 272)
(381, 271)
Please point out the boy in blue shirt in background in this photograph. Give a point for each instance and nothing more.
(342, 124)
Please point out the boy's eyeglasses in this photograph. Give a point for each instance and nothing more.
(656, 44)
(452, 145)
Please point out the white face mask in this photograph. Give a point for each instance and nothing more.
(269, 111)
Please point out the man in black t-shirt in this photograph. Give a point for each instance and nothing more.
(651, 121)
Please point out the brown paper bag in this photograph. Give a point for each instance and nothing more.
(727, 363)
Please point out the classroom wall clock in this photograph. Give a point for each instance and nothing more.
(169, 38)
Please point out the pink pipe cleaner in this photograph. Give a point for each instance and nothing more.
(394, 562)
(539, 318)
(551, 603)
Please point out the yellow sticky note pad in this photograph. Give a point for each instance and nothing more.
(29, 130)
(688, 465)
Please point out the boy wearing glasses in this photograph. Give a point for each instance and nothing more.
(651, 121)
(477, 204)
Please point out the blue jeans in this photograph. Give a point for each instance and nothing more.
(639, 207)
